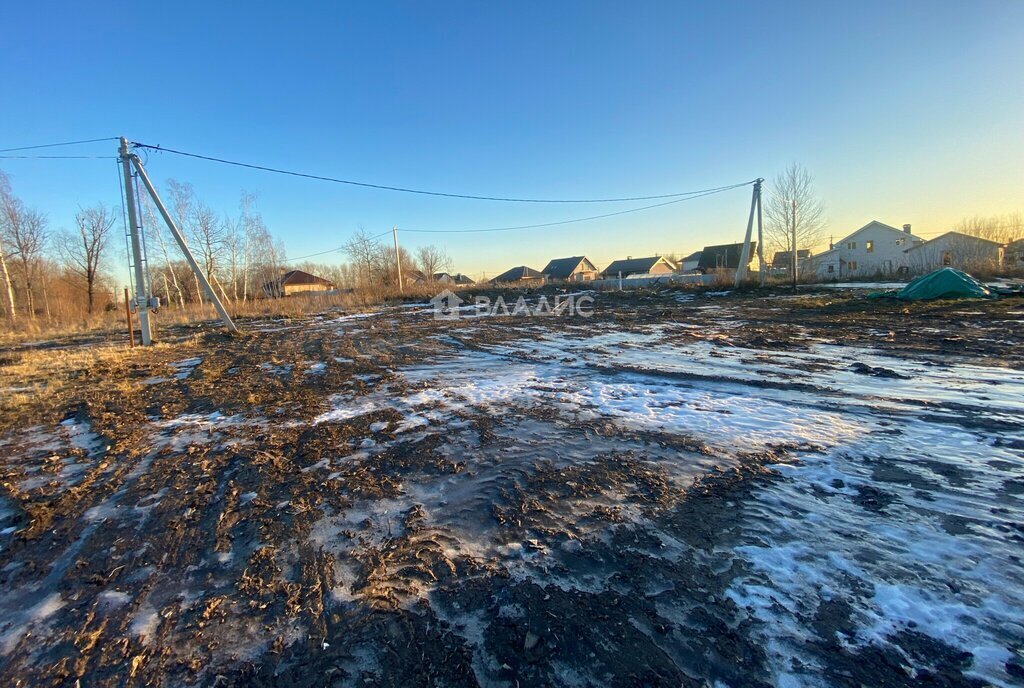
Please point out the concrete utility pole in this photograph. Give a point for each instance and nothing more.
(793, 260)
(141, 286)
(178, 237)
(760, 234)
(398, 259)
(741, 269)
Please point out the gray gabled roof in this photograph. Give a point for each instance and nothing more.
(562, 268)
(632, 266)
(724, 256)
(781, 258)
(517, 273)
(959, 235)
(692, 257)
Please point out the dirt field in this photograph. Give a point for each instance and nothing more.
(686, 488)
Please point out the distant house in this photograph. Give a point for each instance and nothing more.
(954, 250)
(519, 275)
(631, 267)
(1013, 256)
(691, 262)
(575, 269)
(876, 249)
(414, 277)
(461, 279)
(781, 259)
(296, 282)
(724, 257)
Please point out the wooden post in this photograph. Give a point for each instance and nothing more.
(128, 318)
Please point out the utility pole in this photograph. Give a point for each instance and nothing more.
(742, 268)
(141, 286)
(760, 234)
(398, 259)
(178, 237)
(793, 257)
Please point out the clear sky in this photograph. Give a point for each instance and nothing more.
(903, 111)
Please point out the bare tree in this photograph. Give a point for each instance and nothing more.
(83, 250)
(432, 260)
(795, 185)
(155, 229)
(183, 204)
(208, 237)
(6, 200)
(363, 251)
(26, 236)
(1001, 228)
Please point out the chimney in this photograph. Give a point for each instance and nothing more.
(629, 257)
(906, 228)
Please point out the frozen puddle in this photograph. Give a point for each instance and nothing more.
(895, 523)
(913, 530)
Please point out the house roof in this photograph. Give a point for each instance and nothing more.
(781, 258)
(517, 273)
(879, 225)
(462, 279)
(724, 256)
(563, 268)
(634, 265)
(302, 277)
(692, 257)
(959, 235)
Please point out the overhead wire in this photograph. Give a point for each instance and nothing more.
(577, 219)
(424, 192)
(534, 226)
(55, 145)
(332, 250)
(57, 157)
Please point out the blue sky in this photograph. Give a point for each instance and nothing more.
(904, 112)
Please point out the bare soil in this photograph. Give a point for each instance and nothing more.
(187, 515)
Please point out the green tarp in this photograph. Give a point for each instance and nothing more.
(945, 283)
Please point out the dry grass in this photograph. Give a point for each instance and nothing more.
(33, 376)
(27, 330)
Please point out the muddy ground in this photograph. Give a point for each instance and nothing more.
(686, 488)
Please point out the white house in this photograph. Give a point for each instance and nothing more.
(954, 250)
(690, 263)
(876, 249)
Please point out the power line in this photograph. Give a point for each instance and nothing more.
(532, 226)
(708, 192)
(55, 145)
(423, 192)
(331, 250)
(57, 158)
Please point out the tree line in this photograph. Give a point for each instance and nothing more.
(70, 273)
(67, 274)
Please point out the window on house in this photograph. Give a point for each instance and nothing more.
(852, 265)
(831, 268)
(901, 241)
(851, 245)
(947, 258)
(869, 246)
